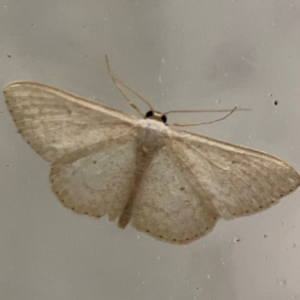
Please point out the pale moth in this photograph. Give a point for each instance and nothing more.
(173, 185)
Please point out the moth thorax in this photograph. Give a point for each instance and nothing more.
(151, 133)
(150, 142)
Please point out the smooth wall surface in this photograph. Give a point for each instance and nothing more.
(178, 55)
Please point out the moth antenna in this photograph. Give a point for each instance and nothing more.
(118, 83)
(205, 123)
(204, 110)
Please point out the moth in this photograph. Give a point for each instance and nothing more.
(171, 184)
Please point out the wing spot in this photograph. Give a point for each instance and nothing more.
(206, 228)
(161, 236)
(72, 208)
(261, 207)
(272, 201)
(174, 240)
(196, 235)
(247, 211)
(148, 230)
(94, 162)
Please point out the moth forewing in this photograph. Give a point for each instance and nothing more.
(55, 123)
(239, 180)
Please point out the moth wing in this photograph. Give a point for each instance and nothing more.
(99, 179)
(237, 180)
(167, 206)
(55, 123)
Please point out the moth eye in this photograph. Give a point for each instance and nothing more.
(149, 114)
(164, 118)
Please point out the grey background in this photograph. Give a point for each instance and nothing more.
(177, 54)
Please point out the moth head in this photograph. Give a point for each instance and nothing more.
(157, 116)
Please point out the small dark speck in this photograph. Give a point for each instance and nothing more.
(86, 213)
(9, 55)
(206, 228)
(187, 239)
(273, 201)
(72, 208)
(233, 162)
(275, 102)
(182, 188)
(196, 235)
(148, 230)
(94, 162)
(265, 236)
(174, 240)
(233, 214)
(247, 211)
(161, 236)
